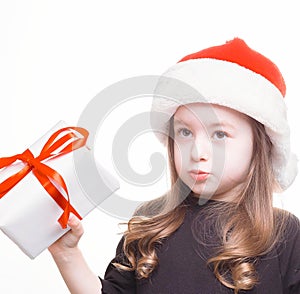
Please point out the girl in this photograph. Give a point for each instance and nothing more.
(216, 230)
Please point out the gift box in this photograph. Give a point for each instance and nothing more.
(39, 188)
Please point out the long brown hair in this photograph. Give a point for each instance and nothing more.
(248, 227)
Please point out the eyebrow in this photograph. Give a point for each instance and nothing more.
(211, 125)
(179, 121)
(223, 124)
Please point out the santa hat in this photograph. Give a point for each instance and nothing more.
(236, 76)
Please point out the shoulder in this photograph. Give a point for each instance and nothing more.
(289, 224)
(151, 208)
(288, 231)
(288, 251)
(293, 224)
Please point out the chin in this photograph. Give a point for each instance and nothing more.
(205, 190)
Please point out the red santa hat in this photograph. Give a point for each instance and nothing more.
(236, 76)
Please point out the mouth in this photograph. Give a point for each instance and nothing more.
(199, 175)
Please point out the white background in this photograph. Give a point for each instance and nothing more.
(55, 56)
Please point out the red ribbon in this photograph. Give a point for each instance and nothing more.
(43, 172)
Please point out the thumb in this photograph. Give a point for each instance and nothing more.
(75, 225)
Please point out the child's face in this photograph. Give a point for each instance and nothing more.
(212, 149)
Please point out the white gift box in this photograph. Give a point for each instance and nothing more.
(28, 214)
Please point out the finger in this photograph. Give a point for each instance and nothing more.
(73, 220)
(75, 225)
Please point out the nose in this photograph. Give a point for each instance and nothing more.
(201, 148)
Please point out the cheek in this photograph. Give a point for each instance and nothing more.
(238, 158)
(177, 158)
(182, 154)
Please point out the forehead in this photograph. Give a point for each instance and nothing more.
(206, 113)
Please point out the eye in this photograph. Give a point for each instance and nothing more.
(219, 135)
(184, 132)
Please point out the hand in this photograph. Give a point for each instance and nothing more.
(69, 240)
(71, 263)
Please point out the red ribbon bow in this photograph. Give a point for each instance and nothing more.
(43, 172)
